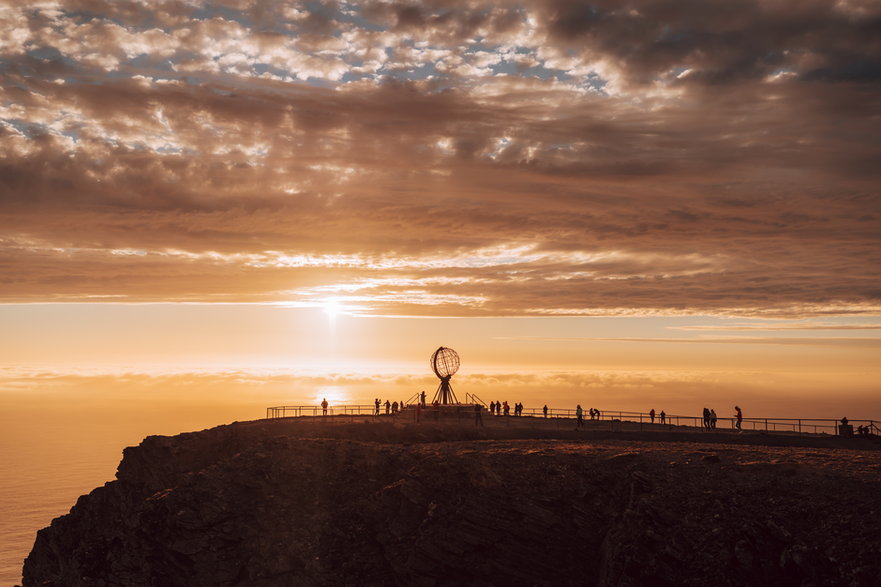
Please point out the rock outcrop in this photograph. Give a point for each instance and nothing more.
(298, 503)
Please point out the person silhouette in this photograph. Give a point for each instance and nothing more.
(545, 410)
(324, 407)
(738, 414)
(652, 415)
(579, 417)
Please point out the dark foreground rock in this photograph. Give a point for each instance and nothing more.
(295, 503)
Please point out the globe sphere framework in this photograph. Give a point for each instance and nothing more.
(444, 362)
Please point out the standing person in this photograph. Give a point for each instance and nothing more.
(492, 408)
(545, 410)
(663, 416)
(652, 415)
(506, 408)
(388, 407)
(706, 419)
(324, 406)
(738, 414)
(579, 417)
(376, 405)
(478, 417)
(394, 407)
(422, 398)
(713, 418)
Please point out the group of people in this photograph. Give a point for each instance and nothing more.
(861, 430)
(390, 407)
(663, 416)
(503, 409)
(710, 419)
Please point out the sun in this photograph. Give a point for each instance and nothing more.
(332, 307)
(334, 394)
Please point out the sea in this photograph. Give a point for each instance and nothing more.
(48, 460)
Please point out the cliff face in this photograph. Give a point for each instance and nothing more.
(276, 503)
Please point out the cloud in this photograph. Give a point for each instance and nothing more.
(864, 342)
(662, 157)
(243, 395)
(778, 326)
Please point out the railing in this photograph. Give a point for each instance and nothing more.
(296, 411)
(470, 398)
(782, 425)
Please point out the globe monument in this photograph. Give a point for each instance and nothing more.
(445, 362)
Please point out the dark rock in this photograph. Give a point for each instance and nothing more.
(272, 503)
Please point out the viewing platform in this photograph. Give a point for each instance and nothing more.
(565, 418)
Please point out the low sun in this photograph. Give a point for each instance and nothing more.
(332, 307)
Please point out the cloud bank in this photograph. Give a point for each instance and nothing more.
(444, 158)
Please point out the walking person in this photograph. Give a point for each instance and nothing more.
(579, 417)
(376, 405)
(652, 415)
(663, 417)
(738, 414)
(713, 418)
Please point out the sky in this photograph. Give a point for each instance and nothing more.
(256, 203)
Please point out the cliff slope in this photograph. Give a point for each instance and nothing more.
(300, 503)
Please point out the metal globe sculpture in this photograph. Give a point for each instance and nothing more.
(445, 362)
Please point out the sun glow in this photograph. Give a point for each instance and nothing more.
(334, 394)
(332, 307)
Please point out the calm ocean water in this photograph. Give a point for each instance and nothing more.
(36, 488)
(43, 470)
(47, 462)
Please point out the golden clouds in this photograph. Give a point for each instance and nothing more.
(441, 158)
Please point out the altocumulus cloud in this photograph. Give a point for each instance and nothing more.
(444, 158)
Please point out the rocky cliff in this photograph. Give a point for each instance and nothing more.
(303, 503)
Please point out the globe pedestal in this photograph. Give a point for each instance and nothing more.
(444, 394)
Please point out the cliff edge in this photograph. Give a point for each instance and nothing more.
(298, 502)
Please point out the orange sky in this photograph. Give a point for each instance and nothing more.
(270, 201)
(240, 359)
